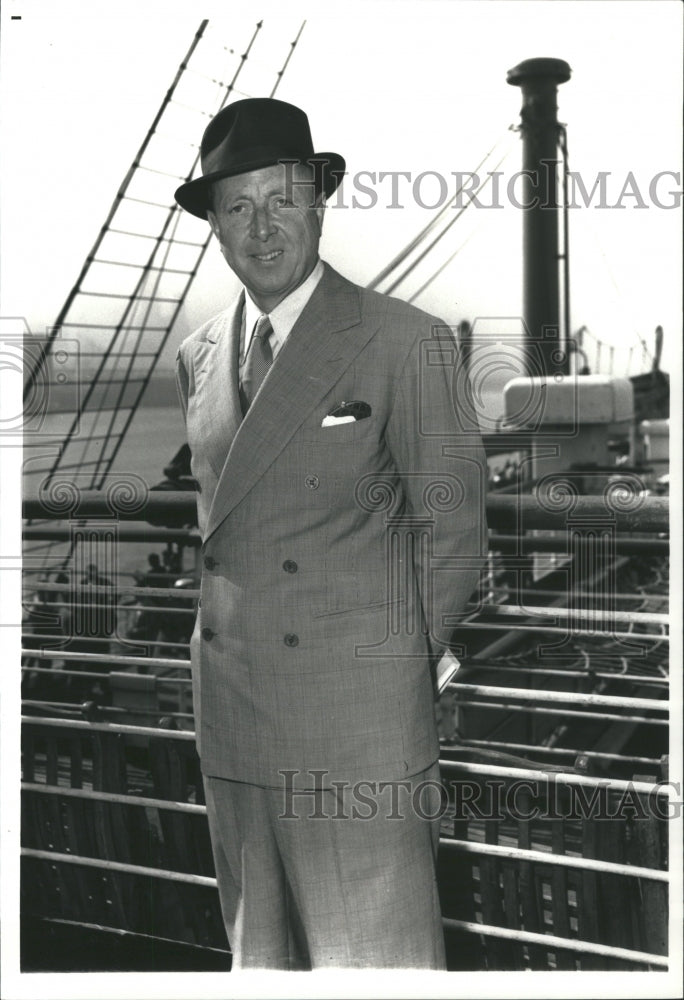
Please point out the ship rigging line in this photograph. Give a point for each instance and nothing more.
(107, 383)
(40, 361)
(115, 354)
(417, 240)
(281, 71)
(174, 222)
(446, 229)
(436, 274)
(173, 212)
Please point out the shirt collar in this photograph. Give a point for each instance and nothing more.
(286, 313)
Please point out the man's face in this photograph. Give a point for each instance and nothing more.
(268, 229)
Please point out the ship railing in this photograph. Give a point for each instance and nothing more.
(589, 700)
(490, 614)
(527, 893)
(639, 513)
(89, 828)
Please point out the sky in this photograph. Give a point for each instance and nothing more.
(417, 88)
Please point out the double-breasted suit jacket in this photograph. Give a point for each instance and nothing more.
(333, 552)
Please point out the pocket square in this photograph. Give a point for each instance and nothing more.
(332, 421)
(345, 412)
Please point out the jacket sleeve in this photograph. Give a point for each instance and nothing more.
(437, 448)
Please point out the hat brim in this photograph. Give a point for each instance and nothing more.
(194, 195)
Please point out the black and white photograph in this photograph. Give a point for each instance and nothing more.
(341, 375)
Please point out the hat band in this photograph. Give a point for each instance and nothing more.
(220, 158)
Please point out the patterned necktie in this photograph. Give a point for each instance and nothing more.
(259, 360)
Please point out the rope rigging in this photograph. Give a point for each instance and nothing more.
(136, 295)
(417, 240)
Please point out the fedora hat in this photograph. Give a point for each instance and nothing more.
(251, 134)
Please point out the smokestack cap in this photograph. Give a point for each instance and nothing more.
(537, 69)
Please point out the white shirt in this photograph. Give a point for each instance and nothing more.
(282, 318)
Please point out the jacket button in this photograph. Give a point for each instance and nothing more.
(208, 633)
(209, 562)
(291, 639)
(290, 566)
(312, 482)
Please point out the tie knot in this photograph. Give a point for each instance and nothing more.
(263, 328)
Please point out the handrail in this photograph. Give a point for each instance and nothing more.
(106, 678)
(647, 514)
(527, 512)
(119, 866)
(548, 857)
(549, 941)
(107, 658)
(566, 713)
(633, 637)
(537, 697)
(624, 545)
(568, 697)
(539, 748)
(446, 765)
(110, 727)
(447, 843)
(552, 942)
(75, 706)
(563, 777)
(140, 533)
(591, 615)
(95, 795)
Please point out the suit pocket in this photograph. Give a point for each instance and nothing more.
(353, 429)
(335, 434)
(359, 609)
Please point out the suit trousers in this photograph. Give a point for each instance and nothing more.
(340, 877)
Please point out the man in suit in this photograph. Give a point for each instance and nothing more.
(341, 498)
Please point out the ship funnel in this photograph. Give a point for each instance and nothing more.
(539, 79)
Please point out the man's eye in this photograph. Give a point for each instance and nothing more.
(236, 209)
(282, 202)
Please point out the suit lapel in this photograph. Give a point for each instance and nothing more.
(322, 344)
(216, 375)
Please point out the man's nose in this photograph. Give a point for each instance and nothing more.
(262, 224)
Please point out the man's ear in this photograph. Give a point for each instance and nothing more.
(320, 209)
(213, 222)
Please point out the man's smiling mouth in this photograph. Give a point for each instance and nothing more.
(265, 257)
